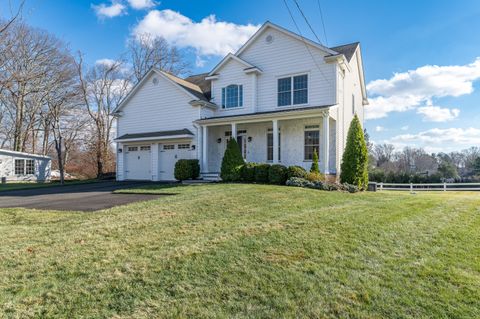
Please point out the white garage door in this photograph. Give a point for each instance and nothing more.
(137, 162)
(168, 156)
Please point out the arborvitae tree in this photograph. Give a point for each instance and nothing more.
(354, 169)
(231, 161)
(314, 168)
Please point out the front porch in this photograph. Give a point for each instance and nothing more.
(284, 139)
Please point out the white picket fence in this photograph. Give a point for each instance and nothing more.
(429, 187)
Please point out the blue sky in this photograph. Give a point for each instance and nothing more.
(432, 107)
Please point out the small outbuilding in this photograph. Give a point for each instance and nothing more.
(19, 166)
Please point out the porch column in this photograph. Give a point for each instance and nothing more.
(204, 149)
(325, 144)
(275, 140)
(234, 131)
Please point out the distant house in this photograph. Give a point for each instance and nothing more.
(19, 166)
(281, 96)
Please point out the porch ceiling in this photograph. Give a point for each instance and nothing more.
(290, 113)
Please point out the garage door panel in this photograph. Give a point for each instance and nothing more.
(168, 156)
(138, 162)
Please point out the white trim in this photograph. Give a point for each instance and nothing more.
(269, 24)
(139, 139)
(236, 58)
(8, 152)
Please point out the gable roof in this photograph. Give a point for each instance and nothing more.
(227, 58)
(348, 50)
(23, 154)
(274, 26)
(201, 81)
(190, 87)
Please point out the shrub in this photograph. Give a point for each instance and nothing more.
(314, 168)
(186, 169)
(261, 173)
(350, 188)
(315, 177)
(277, 174)
(247, 172)
(296, 171)
(232, 159)
(354, 168)
(299, 182)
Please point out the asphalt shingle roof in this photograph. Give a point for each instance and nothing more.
(347, 49)
(155, 134)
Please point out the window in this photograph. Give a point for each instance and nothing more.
(353, 104)
(293, 90)
(132, 148)
(270, 145)
(19, 167)
(168, 147)
(232, 96)
(29, 167)
(145, 148)
(183, 146)
(311, 141)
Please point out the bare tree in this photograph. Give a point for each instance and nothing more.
(146, 52)
(15, 16)
(102, 87)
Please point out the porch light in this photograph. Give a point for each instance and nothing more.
(250, 139)
(219, 140)
(120, 150)
(193, 147)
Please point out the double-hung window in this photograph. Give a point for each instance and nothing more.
(232, 96)
(270, 145)
(311, 141)
(24, 167)
(292, 90)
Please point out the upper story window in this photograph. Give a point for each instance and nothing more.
(293, 90)
(232, 96)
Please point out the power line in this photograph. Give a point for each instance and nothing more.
(306, 20)
(323, 22)
(305, 43)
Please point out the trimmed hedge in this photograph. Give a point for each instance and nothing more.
(186, 169)
(261, 173)
(301, 182)
(277, 174)
(247, 172)
(296, 171)
(232, 160)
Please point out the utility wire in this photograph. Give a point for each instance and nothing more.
(323, 22)
(305, 43)
(306, 20)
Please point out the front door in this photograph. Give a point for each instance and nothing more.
(242, 143)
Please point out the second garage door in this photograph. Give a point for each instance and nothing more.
(168, 156)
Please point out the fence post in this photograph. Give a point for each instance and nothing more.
(381, 186)
(444, 186)
(411, 187)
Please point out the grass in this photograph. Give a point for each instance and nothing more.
(31, 185)
(247, 251)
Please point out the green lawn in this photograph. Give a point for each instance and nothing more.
(251, 251)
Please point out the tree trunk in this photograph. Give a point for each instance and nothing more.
(58, 147)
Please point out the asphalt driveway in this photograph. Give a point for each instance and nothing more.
(81, 197)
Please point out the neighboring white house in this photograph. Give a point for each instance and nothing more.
(280, 95)
(18, 166)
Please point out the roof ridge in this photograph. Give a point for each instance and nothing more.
(181, 81)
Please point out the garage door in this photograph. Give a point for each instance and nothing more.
(169, 155)
(137, 162)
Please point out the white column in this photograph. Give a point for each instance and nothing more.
(275, 140)
(204, 149)
(234, 131)
(325, 144)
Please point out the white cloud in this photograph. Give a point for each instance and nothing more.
(405, 128)
(207, 37)
(416, 88)
(105, 62)
(379, 129)
(141, 4)
(436, 139)
(437, 114)
(109, 11)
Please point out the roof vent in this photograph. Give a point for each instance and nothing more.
(269, 39)
(155, 81)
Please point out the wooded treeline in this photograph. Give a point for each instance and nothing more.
(53, 103)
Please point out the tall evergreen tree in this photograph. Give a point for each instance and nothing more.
(314, 168)
(232, 159)
(354, 168)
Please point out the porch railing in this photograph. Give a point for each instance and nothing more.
(429, 187)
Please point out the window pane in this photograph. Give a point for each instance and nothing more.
(311, 142)
(30, 167)
(284, 85)
(232, 96)
(284, 99)
(19, 167)
(269, 146)
(223, 97)
(300, 89)
(240, 95)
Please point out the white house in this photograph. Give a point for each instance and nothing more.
(19, 166)
(280, 95)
